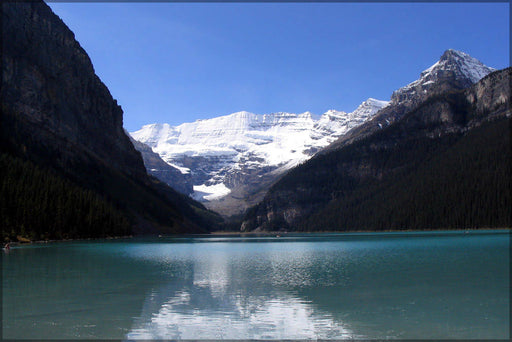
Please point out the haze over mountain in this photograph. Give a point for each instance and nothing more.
(232, 159)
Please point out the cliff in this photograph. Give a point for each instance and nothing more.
(59, 118)
(50, 89)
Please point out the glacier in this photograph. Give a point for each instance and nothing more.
(230, 151)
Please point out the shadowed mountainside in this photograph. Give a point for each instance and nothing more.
(59, 121)
(444, 163)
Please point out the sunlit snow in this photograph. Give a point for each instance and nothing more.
(210, 192)
(470, 68)
(247, 140)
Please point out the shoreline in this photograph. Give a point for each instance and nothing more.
(280, 232)
(38, 242)
(252, 233)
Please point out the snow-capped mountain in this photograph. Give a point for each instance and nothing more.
(455, 70)
(413, 165)
(453, 65)
(226, 153)
(232, 159)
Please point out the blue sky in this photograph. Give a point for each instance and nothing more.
(179, 62)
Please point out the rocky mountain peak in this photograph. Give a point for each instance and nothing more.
(462, 64)
(371, 105)
(455, 69)
(453, 55)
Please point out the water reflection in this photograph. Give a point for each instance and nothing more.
(233, 294)
(432, 286)
(238, 317)
(334, 290)
(212, 272)
(196, 313)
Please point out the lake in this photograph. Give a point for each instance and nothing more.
(413, 285)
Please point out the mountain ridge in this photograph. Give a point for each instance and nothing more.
(237, 155)
(442, 164)
(455, 70)
(225, 169)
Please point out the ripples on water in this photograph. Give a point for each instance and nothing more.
(327, 286)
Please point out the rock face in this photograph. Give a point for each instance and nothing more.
(49, 84)
(233, 159)
(455, 70)
(155, 166)
(58, 114)
(441, 163)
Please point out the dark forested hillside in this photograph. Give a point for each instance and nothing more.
(461, 182)
(68, 168)
(444, 164)
(38, 204)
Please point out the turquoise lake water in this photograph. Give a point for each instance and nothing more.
(425, 285)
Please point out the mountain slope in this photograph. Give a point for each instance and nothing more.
(442, 163)
(156, 167)
(60, 121)
(455, 70)
(233, 159)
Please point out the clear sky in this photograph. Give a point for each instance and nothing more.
(179, 62)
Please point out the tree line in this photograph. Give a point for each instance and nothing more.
(37, 204)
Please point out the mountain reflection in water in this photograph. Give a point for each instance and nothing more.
(414, 285)
(246, 300)
(235, 317)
